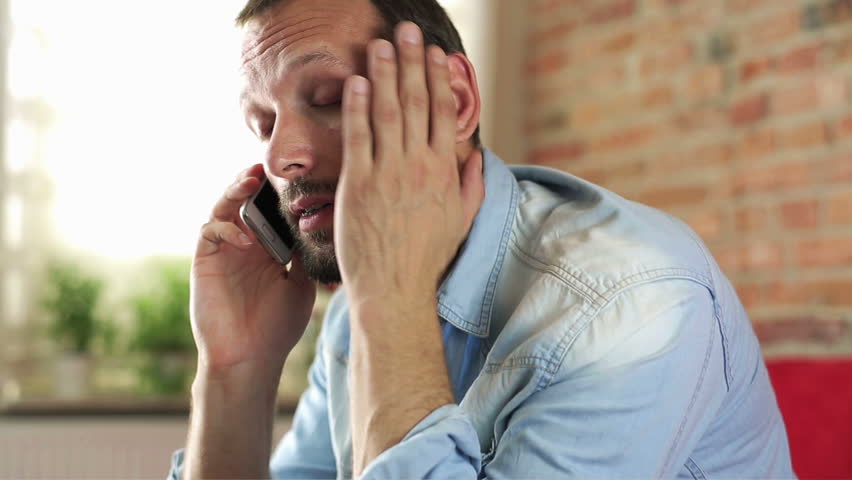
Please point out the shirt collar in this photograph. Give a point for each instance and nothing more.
(466, 296)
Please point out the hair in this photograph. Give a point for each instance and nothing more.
(432, 19)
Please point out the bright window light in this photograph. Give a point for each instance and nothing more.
(20, 146)
(146, 130)
(14, 213)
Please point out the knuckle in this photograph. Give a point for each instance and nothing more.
(414, 101)
(444, 107)
(387, 113)
(359, 137)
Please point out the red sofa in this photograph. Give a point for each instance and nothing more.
(815, 397)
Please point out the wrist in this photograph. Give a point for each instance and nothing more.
(260, 381)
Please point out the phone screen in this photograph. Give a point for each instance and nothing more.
(267, 202)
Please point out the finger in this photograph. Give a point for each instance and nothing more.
(357, 135)
(442, 113)
(472, 187)
(214, 234)
(228, 206)
(413, 95)
(385, 110)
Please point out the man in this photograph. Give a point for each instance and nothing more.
(492, 322)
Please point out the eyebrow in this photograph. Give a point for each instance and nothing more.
(320, 57)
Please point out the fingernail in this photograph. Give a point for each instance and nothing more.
(360, 85)
(410, 33)
(244, 239)
(384, 50)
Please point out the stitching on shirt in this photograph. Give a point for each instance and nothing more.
(694, 398)
(694, 469)
(600, 299)
(526, 361)
(720, 314)
(488, 298)
(585, 292)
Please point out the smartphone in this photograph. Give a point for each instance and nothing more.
(262, 215)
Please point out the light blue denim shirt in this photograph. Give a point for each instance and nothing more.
(586, 336)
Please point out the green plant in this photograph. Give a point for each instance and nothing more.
(161, 329)
(71, 300)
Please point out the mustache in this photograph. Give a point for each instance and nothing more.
(301, 187)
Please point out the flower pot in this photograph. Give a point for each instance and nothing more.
(73, 376)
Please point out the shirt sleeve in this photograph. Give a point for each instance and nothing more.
(633, 407)
(305, 451)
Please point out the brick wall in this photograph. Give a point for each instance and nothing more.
(734, 115)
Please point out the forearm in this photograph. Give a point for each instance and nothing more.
(398, 376)
(230, 433)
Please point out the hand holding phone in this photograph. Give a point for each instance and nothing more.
(262, 215)
(247, 310)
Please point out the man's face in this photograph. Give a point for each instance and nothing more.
(295, 60)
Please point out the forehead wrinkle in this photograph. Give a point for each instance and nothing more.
(275, 35)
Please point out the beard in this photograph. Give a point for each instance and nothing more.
(316, 249)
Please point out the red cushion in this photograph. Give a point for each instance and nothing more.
(815, 397)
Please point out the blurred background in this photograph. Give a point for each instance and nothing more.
(120, 126)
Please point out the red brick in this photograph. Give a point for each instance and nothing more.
(549, 63)
(756, 144)
(554, 33)
(657, 97)
(611, 11)
(764, 179)
(708, 224)
(594, 174)
(825, 252)
(800, 330)
(830, 293)
(844, 128)
(750, 294)
(743, 6)
(565, 152)
(596, 78)
(761, 255)
(842, 49)
(804, 136)
(700, 120)
(669, 197)
(667, 60)
(619, 43)
(840, 207)
(751, 219)
(755, 68)
(707, 82)
(714, 154)
(753, 255)
(774, 28)
(785, 293)
(799, 214)
(632, 137)
(815, 94)
(749, 110)
(840, 168)
(802, 59)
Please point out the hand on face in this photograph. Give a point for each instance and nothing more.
(403, 208)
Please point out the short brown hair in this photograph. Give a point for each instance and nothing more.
(429, 15)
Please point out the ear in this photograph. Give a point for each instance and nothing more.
(466, 95)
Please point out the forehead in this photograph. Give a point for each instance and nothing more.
(298, 28)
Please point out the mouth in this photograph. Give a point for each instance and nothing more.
(313, 212)
(308, 212)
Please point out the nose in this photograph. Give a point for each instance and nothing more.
(290, 154)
